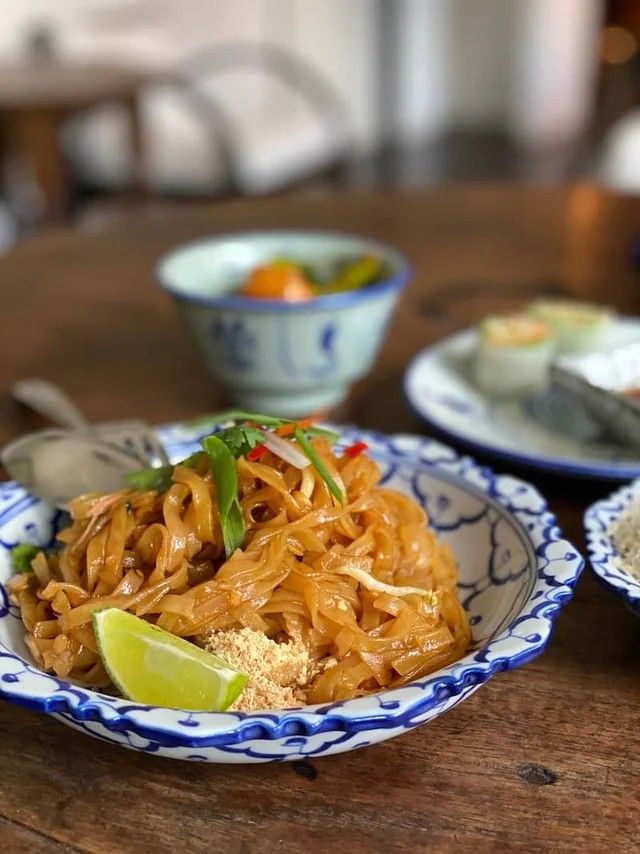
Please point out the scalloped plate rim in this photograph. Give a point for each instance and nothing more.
(613, 577)
(468, 673)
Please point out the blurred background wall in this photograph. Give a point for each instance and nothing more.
(255, 96)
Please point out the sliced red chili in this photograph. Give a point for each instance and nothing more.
(257, 452)
(356, 449)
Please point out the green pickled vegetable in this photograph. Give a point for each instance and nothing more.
(356, 274)
(22, 555)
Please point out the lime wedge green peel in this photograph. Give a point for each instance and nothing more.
(149, 665)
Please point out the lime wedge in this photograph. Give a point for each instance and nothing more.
(149, 665)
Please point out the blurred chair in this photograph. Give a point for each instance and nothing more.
(620, 162)
(8, 227)
(202, 137)
(15, 210)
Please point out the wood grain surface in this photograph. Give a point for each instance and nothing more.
(544, 757)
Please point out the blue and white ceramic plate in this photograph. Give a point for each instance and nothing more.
(549, 431)
(603, 555)
(516, 572)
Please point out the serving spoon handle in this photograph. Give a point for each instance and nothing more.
(76, 457)
(49, 400)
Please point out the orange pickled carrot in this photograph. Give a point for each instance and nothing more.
(278, 281)
(288, 429)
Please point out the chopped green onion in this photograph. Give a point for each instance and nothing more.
(321, 433)
(259, 418)
(225, 473)
(233, 530)
(256, 417)
(158, 479)
(320, 467)
(146, 479)
(22, 555)
(239, 415)
(192, 460)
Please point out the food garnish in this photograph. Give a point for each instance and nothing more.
(225, 474)
(21, 556)
(158, 479)
(252, 437)
(356, 449)
(256, 453)
(320, 467)
(149, 665)
(278, 671)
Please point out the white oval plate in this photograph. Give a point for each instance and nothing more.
(521, 431)
(515, 574)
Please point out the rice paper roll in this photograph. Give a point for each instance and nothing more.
(513, 355)
(576, 326)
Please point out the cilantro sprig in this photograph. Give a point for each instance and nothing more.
(241, 439)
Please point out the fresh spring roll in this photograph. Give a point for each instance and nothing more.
(513, 355)
(576, 326)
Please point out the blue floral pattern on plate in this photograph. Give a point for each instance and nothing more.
(603, 554)
(516, 572)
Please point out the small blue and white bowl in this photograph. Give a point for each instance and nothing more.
(515, 570)
(604, 557)
(275, 356)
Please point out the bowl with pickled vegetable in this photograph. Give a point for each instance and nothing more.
(287, 320)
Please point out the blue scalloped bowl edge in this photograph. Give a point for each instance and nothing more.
(599, 565)
(290, 724)
(311, 721)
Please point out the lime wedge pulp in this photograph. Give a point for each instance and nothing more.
(152, 666)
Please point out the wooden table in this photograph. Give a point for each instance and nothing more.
(548, 755)
(37, 97)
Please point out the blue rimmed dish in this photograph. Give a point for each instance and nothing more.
(551, 431)
(292, 358)
(604, 557)
(516, 572)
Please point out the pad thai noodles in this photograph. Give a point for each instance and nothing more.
(265, 530)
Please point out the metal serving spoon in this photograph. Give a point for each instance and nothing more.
(59, 464)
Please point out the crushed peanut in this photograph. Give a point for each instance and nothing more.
(278, 672)
(625, 533)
